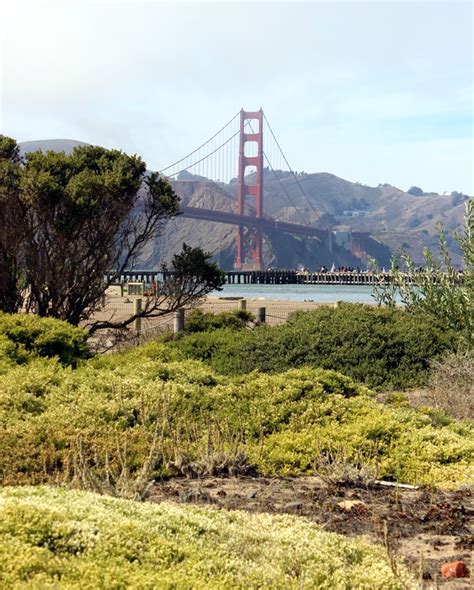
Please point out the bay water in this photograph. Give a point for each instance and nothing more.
(316, 293)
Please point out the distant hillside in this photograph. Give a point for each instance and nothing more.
(55, 145)
(395, 219)
(364, 208)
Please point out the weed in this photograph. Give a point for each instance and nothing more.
(452, 384)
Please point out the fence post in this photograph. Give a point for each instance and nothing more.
(261, 313)
(137, 307)
(179, 320)
(243, 304)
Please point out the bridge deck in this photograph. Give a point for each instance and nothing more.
(267, 223)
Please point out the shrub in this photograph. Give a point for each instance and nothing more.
(452, 384)
(201, 321)
(416, 191)
(438, 291)
(117, 422)
(32, 336)
(54, 538)
(378, 347)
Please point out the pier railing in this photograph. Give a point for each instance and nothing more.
(283, 277)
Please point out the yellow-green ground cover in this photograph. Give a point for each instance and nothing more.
(54, 538)
(149, 413)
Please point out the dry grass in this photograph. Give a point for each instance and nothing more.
(452, 385)
(336, 468)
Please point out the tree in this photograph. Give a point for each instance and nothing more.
(438, 289)
(416, 191)
(458, 198)
(11, 227)
(75, 218)
(190, 276)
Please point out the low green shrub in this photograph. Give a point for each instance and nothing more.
(116, 422)
(56, 538)
(386, 348)
(25, 336)
(201, 321)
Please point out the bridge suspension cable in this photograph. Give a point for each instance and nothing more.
(290, 200)
(201, 146)
(303, 192)
(292, 203)
(215, 160)
(214, 151)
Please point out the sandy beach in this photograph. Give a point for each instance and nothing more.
(120, 307)
(276, 311)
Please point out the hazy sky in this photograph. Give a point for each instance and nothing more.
(370, 91)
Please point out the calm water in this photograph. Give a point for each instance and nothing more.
(317, 293)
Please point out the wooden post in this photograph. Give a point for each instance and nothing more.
(179, 320)
(261, 313)
(243, 304)
(137, 307)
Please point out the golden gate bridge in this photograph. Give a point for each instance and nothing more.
(233, 160)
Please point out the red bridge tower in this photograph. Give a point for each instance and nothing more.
(249, 237)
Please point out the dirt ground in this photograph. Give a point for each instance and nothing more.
(427, 527)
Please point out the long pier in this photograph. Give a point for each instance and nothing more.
(275, 277)
(293, 277)
(268, 277)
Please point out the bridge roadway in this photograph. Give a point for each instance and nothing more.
(267, 223)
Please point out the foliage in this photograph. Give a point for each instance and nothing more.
(88, 541)
(190, 276)
(452, 384)
(201, 321)
(77, 224)
(25, 337)
(438, 290)
(457, 198)
(118, 421)
(416, 191)
(67, 221)
(11, 234)
(378, 347)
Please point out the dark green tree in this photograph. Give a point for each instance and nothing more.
(416, 191)
(190, 275)
(11, 226)
(75, 218)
